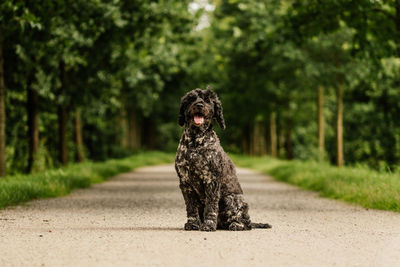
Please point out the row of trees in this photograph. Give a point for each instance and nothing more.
(298, 79)
(317, 79)
(84, 78)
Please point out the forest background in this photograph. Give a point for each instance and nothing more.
(94, 79)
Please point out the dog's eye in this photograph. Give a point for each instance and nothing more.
(206, 98)
(191, 98)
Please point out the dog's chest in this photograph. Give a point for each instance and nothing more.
(196, 158)
(193, 165)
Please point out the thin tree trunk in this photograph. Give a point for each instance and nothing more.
(62, 132)
(281, 139)
(321, 123)
(134, 131)
(78, 136)
(272, 134)
(124, 141)
(288, 137)
(251, 141)
(339, 126)
(33, 126)
(256, 139)
(245, 141)
(2, 114)
(288, 133)
(397, 22)
(150, 133)
(259, 139)
(62, 118)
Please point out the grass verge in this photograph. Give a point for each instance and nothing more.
(58, 182)
(357, 185)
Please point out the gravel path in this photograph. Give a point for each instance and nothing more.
(136, 219)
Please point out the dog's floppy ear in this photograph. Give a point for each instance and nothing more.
(218, 115)
(185, 102)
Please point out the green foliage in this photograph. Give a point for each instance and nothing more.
(58, 182)
(127, 63)
(357, 185)
(273, 55)
(169, 136)
(118, 55)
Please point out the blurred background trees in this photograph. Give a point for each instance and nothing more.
(101, 79)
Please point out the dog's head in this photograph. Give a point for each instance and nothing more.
(198, 108)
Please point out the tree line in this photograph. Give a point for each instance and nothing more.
(99, 79)
(79, 79)
(313, 79)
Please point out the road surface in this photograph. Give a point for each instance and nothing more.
(136, 219)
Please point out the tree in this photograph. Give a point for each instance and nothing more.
(14, 18)
(321, 123)
(2, 111)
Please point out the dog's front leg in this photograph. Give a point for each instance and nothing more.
(212, 191)
(192, 207)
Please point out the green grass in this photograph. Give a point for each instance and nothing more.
(58, 182)
(357, 185)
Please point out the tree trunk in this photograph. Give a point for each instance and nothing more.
(78, 136)
(272, 134)
(2, 114)
(288, 133)
(256, 139)
(124, 141)
(33, 126)
(150, 133)
(62, 118)
(62, 135)
(251, 141)
(259, 139)
(397, 22)
(339, 126)
(134, 130)
(124, 133)
(321, 123)
(281, 139)
(245, 140)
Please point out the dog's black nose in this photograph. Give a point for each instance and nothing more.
(199, 105)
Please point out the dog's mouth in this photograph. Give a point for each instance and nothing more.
(198, 119)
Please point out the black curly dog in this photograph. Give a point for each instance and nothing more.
(210, 187)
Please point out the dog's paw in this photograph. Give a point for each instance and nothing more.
(235, 226)
(208, 226)
(192, 225)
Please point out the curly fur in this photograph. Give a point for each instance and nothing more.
(211, 190)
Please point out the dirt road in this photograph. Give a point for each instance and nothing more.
(136, 219)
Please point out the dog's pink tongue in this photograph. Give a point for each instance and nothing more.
(198, 119)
